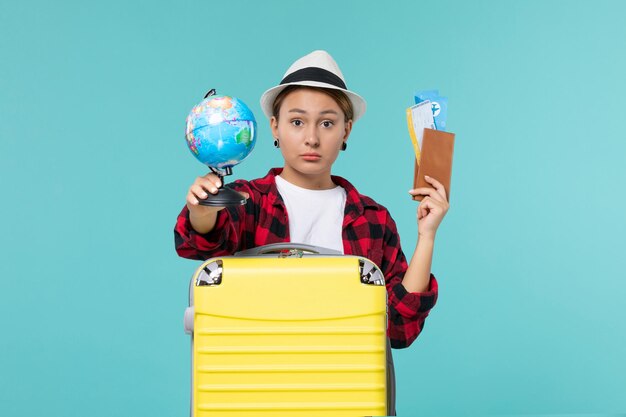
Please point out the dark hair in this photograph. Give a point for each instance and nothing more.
(340, 98)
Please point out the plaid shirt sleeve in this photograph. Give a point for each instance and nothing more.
(193, 245)
(370, 231)
(259, 222)
(407, 310)
(227, 237)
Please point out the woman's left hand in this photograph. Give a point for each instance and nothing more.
(432, 208)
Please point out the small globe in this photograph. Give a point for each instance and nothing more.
(221, 131)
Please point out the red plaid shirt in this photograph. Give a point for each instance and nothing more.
(368, 231)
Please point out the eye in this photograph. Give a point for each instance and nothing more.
(297, 122)
(327, 123)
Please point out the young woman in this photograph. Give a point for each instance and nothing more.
(311, 114)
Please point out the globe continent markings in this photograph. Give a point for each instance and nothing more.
(244, 136)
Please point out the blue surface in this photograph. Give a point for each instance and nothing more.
(94, 170)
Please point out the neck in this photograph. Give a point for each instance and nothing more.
(309, 181)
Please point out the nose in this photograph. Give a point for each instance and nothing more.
(312, 137)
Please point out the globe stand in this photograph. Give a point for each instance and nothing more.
(225, 197)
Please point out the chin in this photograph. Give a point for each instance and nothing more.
(311, 169)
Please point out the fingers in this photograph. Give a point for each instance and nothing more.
(438, 192)
(192, 199)
(427, 191)
(427, 205)
(209, 178)
(196, 193)
(432, 208)
(434, 205)
(199, 190)
(438, 186)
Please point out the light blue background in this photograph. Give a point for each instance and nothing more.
(94, 169)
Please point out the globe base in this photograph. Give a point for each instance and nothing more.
(225, 197)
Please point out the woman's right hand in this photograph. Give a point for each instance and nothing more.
(203, 218)
(199, 191)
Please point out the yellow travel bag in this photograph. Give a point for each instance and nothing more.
(288, 330)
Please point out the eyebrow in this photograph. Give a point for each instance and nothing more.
(305, 112)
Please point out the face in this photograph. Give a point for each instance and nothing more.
(311, 129)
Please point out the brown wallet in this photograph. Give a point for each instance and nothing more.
(435, 160)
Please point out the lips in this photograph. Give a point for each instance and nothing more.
(311, 156)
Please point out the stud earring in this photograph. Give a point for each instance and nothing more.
(276, 144)
(344, 146)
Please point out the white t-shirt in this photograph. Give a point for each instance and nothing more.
(315, 216)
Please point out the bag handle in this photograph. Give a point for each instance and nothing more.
(286, 247)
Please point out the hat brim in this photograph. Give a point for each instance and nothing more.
(267, 99)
